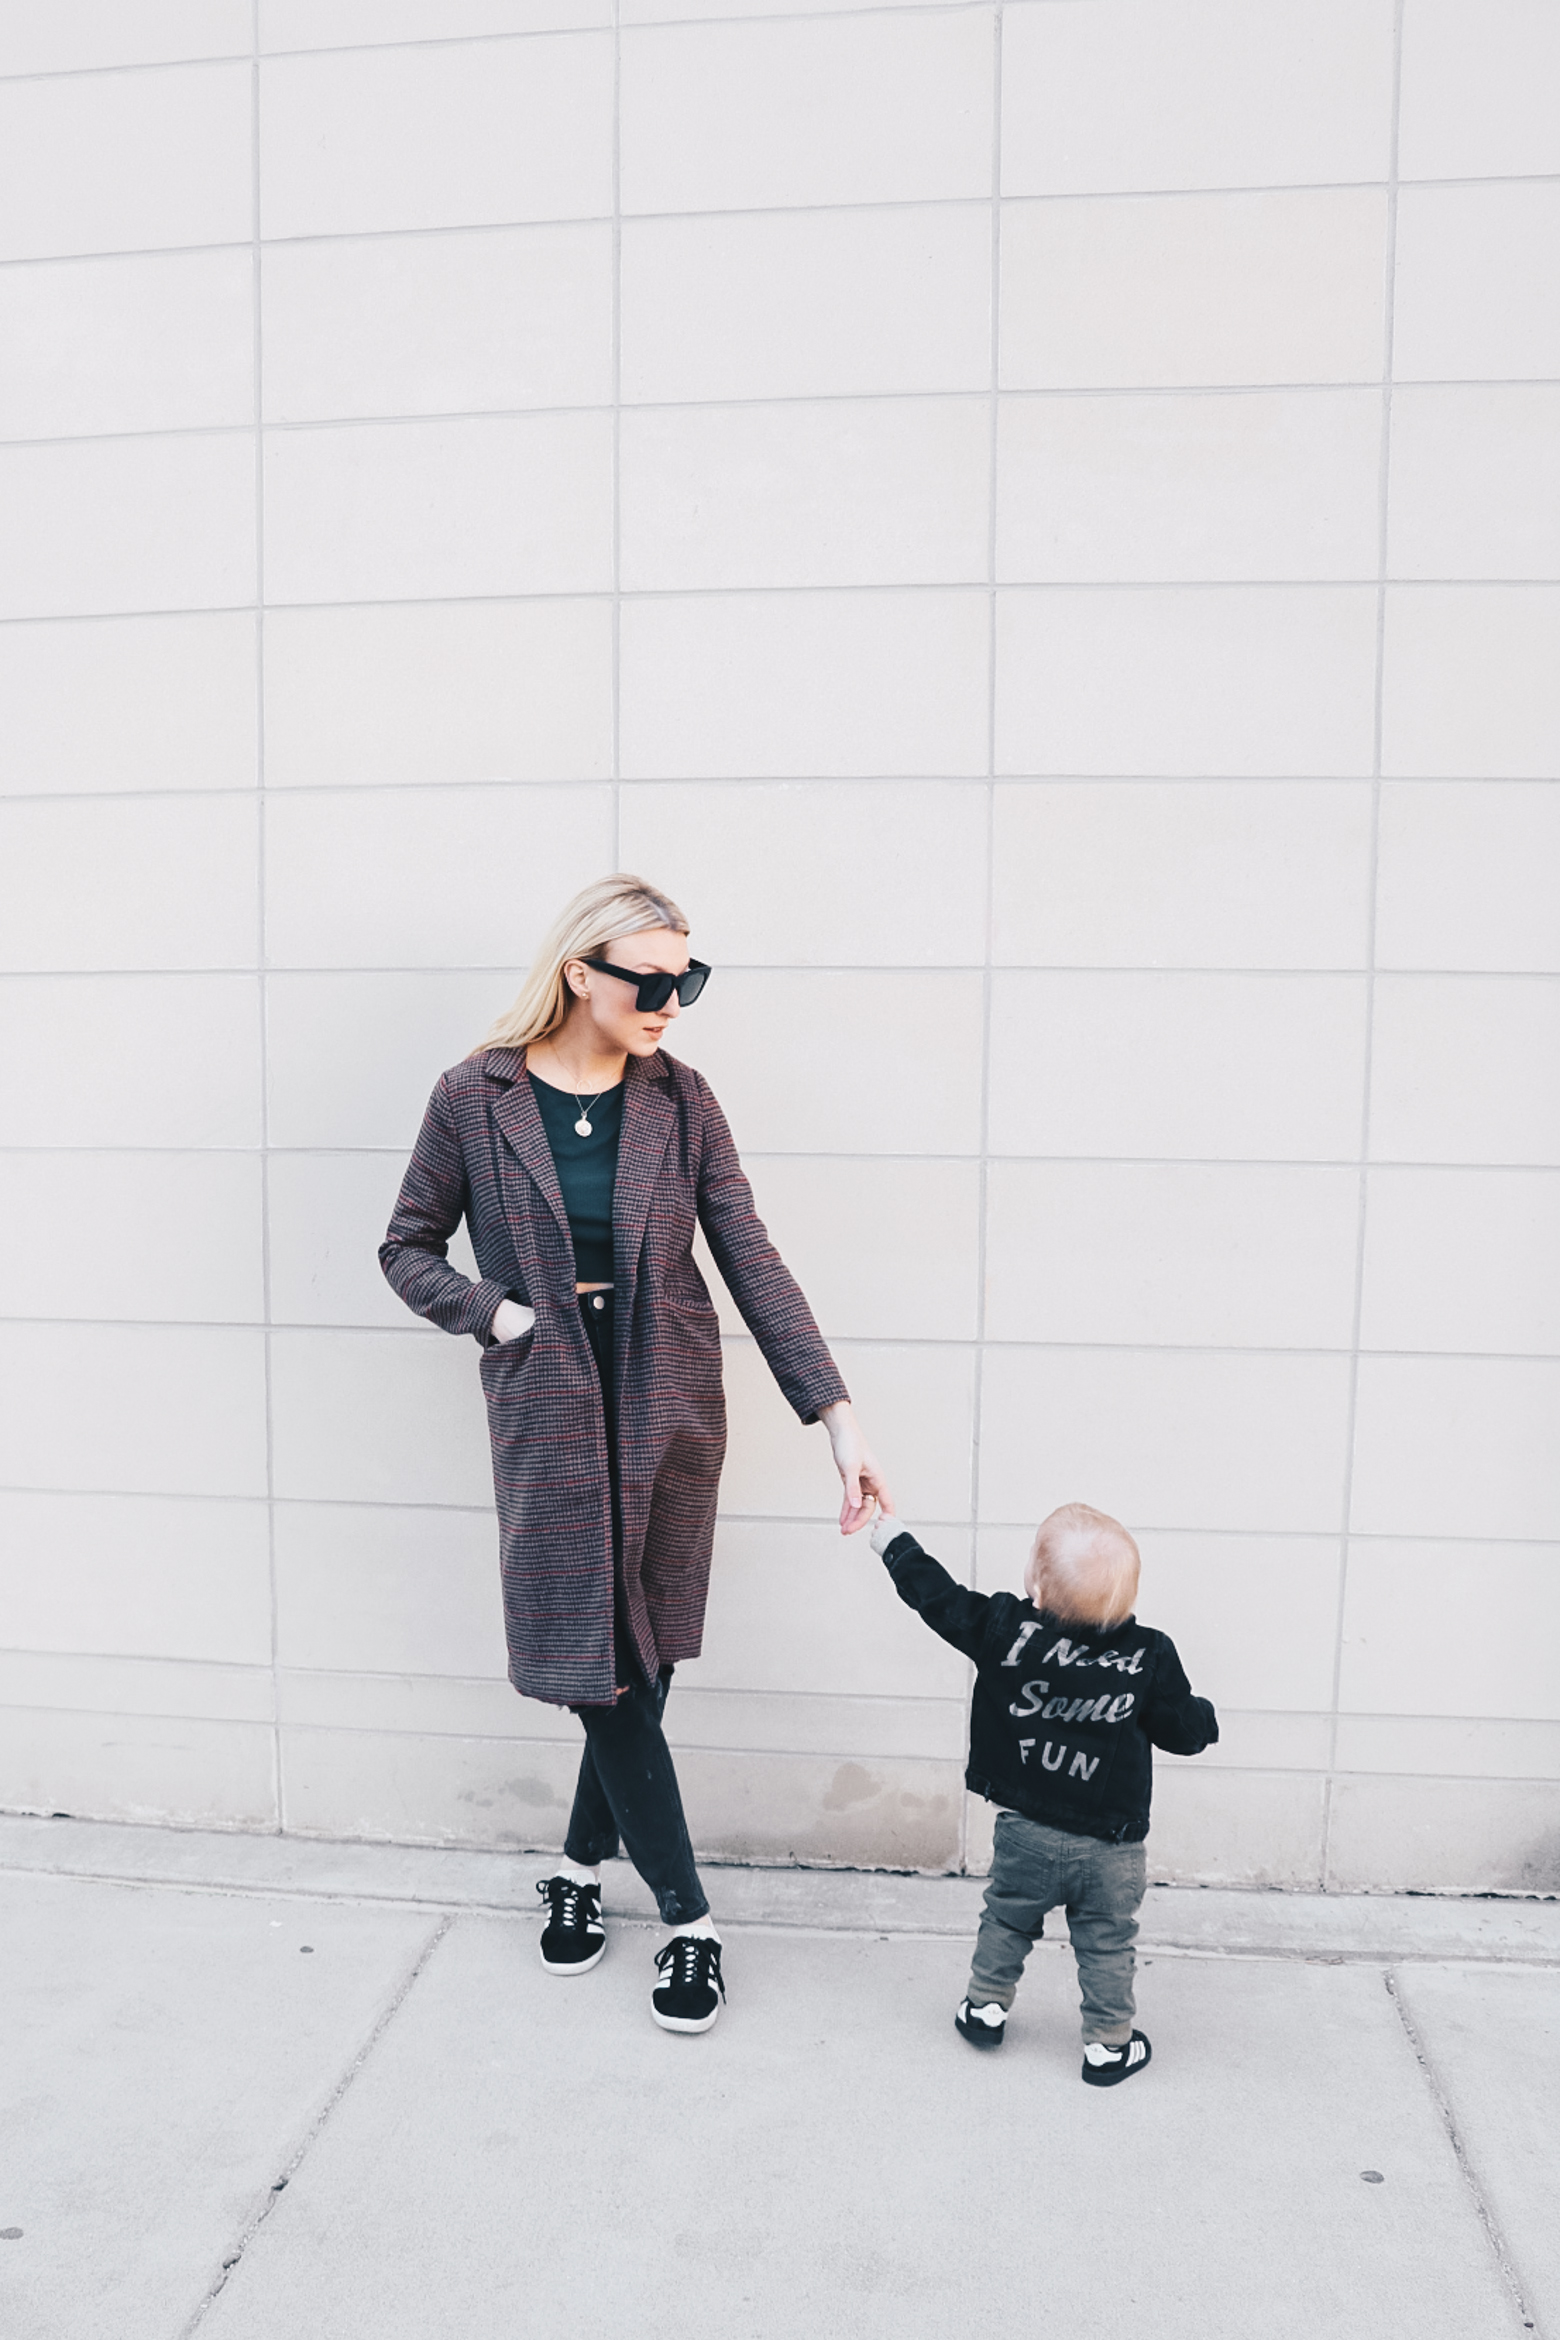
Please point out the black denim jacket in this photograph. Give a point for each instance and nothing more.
(1063, 1714)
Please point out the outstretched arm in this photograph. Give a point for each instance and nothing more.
(923, 1584)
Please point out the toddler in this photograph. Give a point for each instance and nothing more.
(1070, 1693)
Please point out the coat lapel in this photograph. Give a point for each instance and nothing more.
(649, 1116)
(521, 1123)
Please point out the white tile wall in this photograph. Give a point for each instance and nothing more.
(1481, 89)
(500, 318)
(101, 525)
(810, 304)
(1249, 1067)
(1476, 481)
(1262, 680)
(1157, 291)
(410, 511)
(1089, 724)
(890, 106)
(125, 162)
(471, 134)
(438, 691)
(162, 342)
(1271, 484)
(1469, 688)
(1104, 95)
(1476, 295)
(128, 703)
(1182, 874)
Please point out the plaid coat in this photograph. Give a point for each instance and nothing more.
(482, 1154)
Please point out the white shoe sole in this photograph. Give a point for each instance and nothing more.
(575, 1965)
(685, 2022)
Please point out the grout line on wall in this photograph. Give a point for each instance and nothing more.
(398, 1152)
(256, 425)
(1383, 526)
(868, 970)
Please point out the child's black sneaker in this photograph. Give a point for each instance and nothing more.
(983, 2027)
(1104, 2066)
(574, 1938)
(689, 1998)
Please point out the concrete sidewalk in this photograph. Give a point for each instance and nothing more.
(271, 2090)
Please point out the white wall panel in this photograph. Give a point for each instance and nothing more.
(1205, 1591)
(465, 135)
(803, 494)
(132, 1409)
(807, 304)
(331, 24)
(1467, 877)
(155, 882)
(151, 1236)
(1182, 874)
(137, 1575)
(913, 1085)
(116, 704)
(1481, 89)
(1185, 1439)
(809, 842)
(884, 1250)
(351, 1058)
(439, 877)
(130, 1060)
(407, 511)
(1277, 484)
(327, 1214)
(1463, 1260)
(502, 317)
(918, 1403)
(1171, 290)
(1470, 689)
(849, 686)
(1459, 1069)
(108, 525)
(1100, 96)
(125, 162)
(1457, 1446)
(436, 691)
(1249, 1256)
(1182, 680)
(39, 36)
(1250, 1067)
(1477, 294)
(372, 1417)
(389, 1591)
(1476, 481)
(1397, 1657)
(887, 107)
(160, 342)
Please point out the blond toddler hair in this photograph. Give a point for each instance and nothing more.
(1083, 1566)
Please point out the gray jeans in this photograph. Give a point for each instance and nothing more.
(1035, 1869)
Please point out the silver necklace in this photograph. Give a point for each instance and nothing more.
(582, 1126)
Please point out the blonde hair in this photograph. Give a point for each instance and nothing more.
(604, 913)
(1083, 1566)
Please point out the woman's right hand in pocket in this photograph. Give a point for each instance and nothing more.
(511, 1320)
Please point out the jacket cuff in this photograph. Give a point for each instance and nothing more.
(476, 1317)
(900, 1549)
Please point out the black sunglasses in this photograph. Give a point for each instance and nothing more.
(651, 992)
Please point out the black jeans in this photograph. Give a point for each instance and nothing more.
(627, 1788)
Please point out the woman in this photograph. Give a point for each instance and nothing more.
(582, 1160)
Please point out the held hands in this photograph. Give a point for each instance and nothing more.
(884, 1529)
(511, 1319)
(858, 1467)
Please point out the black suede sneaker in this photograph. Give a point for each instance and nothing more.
(983, 2027)
(574, 1938)
(687, 2000)
(1103, 2066)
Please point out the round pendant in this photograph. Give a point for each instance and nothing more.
(582, 1128)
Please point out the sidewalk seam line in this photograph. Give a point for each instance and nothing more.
(235, 2256)
(1443, 2105)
